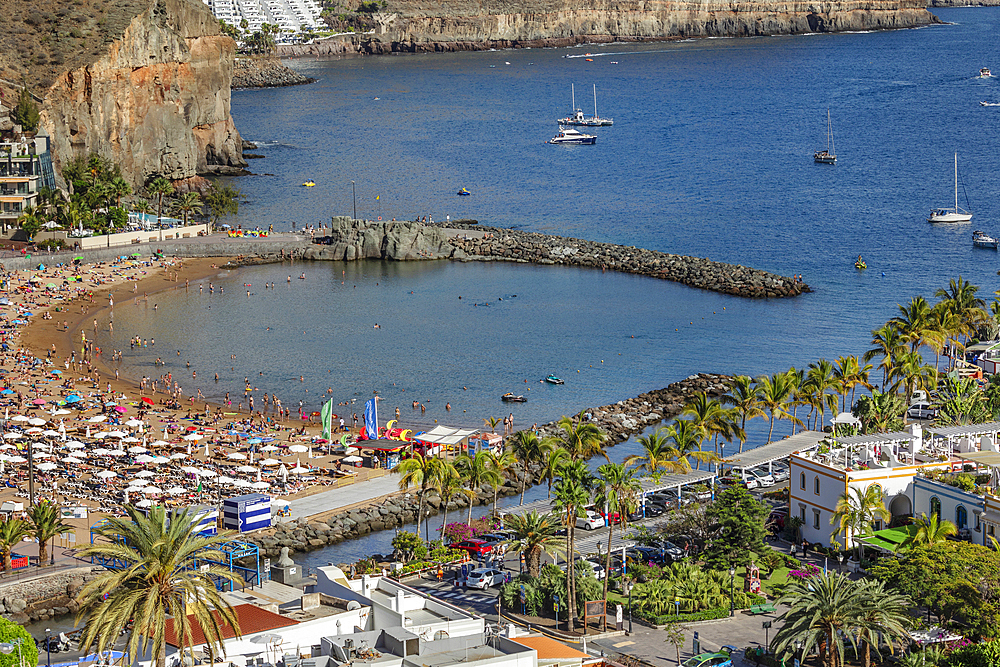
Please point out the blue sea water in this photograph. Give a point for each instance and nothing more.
(710, 155)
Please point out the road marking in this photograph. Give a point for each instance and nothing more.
(620, 644)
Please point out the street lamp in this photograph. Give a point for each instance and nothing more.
(628, 589)
(427, 529)
(732, 602)
(48, 647)
(8, 647)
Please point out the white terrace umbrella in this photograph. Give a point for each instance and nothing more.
(101, 434)
(144, 458)
(161, 459)
(145, 502)
(152, 490)
(131, 439)
(137, 450)
(260, 486)
(35, 421)
(207, 473)
(283, 473)
(34, 430)
(117, 434)
(116, 452)
(242, 483)
(178, 456)
(61, 412)
(13, 435)
(247, 469)
(237, 456)
(51, 434)
(270, 462)
(17, 459)
(71, 459)
(20, 418)
(75, 444)
(145, 473)
(107, 474)
(299, 470)
(97, 418)
(101, 451)
(160, 443)
(8, 446)
(42, 455)
(132, 423)
(190, 469)
(269, 448)
(176, 490)
(298, 449)
(225, 480)
(48, 465)
(193, 436)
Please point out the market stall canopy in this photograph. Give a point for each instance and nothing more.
(442, 435)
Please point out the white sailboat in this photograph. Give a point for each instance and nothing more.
(577, 117)
(829, 156)
(951, 214)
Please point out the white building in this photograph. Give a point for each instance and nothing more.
(292, 16)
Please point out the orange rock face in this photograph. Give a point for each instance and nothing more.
(157, 103)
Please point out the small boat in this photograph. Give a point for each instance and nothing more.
(860, 265)
(552, 379)
(577, 118)
(829, 156)
(984, 73)
(571, 136)
(947, 214)
(511, 398)
(990, 104)
(981, 240)
(464, 193)
(308, 184)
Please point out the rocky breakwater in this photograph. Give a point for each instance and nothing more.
(359, 239)
(156, 102)
(451, 25)
(619, 421)
(265, 72)
(46, 596)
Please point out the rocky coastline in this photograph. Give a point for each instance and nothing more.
(265, 72)
(44, 597)
(358, 239)
(619, 421)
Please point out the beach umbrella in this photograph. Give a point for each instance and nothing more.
(137, 450)
(102, 434)
(8, 446)
(237, 456)
(42, 455)
(260, 486)
(131, 439)
(145, 502)
(56, 372)
(178, 456)
(75, 444)
(283, 473)
(204, 472)
(161, 459)
(193, 436)
(145, 473)
(269, 448)
(17, 459)
(247, 469)
(353, 459)
(116, 452)
(101, 451)
(152, 490)
(298, 449)
(35, 421)
(121, 409)
(13, 435)
(254, 441)
(176, 490)
(51, 434)
(190, 469)
(225, 480)
(73, 398)
(117, 434)
(133, 423)
(270, 462)
(38, 401)
(71, 459)
(160, 443)
(96, 418)
(243, 484)
(20, 418)
(146, 400)
(33, 430)
(61, 412)
(7, 392)
(45, 467)
(107, 474)
(144, 458)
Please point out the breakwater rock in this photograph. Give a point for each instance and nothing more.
(46, 596)
(360, 239)
(619, 421)
(265, 72)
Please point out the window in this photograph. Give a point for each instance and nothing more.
(935, 505)
(979, 526)
(816, 519)
(802, 481)
(816, 485)
(961, 517)
(802, 515)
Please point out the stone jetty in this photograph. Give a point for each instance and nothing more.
(360, 239)
(619, 421)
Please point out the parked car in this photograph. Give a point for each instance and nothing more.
(778, 518)
(475, 547)
(922, 411)
(496, 537)
(709, 660)
(779, 473)
(763, 477)
(614, 520)
(581, 565)
(751, 481)
(702, 495)
(484, 577)
(645, 555)
(672, 550)
(591, 520)
(667, 498)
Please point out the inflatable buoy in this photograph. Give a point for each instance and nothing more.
(388, 425)
(380, 218)
(343, 439)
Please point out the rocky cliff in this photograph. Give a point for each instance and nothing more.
(156, 100)
(455, 25)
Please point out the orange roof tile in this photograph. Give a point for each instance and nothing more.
(550, 649)
(252, 619)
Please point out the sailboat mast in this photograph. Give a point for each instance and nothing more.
(956, 181)
(595, 101)
(572, 88)
(829, 134)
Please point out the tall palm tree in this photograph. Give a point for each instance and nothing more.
(706, 413)
(658, 455)
(45, 525)
(186, 204)
(534, 535)
(572, 495)
(887, 343)
(581, 439)
(961, 298)
(884, 616)
(500, 463)
(616, 492)
(527, 449)
(160, 188)
(168, 573)
(12, 531)
(775, 395)
(946, 325)
(686, 437)
(119, 188)
(553, 459)
(848, 374)
(744, 396)
(856, 511)
(477, 472)
(449, 484)
(914, 321)
(911, 372)
(930, 530)
(823, 612)
(820, 375)
(422, 471)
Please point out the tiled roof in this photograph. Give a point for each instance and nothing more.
(550, 649)
(251, 618)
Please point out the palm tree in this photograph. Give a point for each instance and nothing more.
(914, 321)
(911, 372)
(881, 412)
(820, 376)
(142, 206)
(477, 472)
(45, 525)
(553, 459)
(962, 300)
(119, 188)
(887, 343)
(616, 492)
(884, 617)
(823, 612)
(930, 530)
(947, 325)
(686, 437)
(168, 572)
(855, 512)
(12, 531)
(658, 457)
(707, 414)
(491, 422)
(187, 203)
(422, 471)
(744, 396)
(500, 464)
(527, 449)
(572, 495)
(848, 374)
(579, 438)
(776, 393)
(159, 188)
(534, 535)
(449, 484)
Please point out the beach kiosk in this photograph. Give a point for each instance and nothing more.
(205, 519)
(382, 453)
(247, 512)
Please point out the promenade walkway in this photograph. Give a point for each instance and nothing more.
(343, 497)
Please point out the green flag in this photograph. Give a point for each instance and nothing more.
(326, 419)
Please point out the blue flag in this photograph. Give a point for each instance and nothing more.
(371, 419)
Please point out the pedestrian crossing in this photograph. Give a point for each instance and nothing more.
(457, 596)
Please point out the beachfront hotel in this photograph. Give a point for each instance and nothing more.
(25, 167)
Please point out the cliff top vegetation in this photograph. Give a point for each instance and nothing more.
(43, 38)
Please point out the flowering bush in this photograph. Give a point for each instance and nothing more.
(809, 570)
(456, 532)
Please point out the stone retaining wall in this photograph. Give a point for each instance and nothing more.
(619, 421)
(44, 597)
